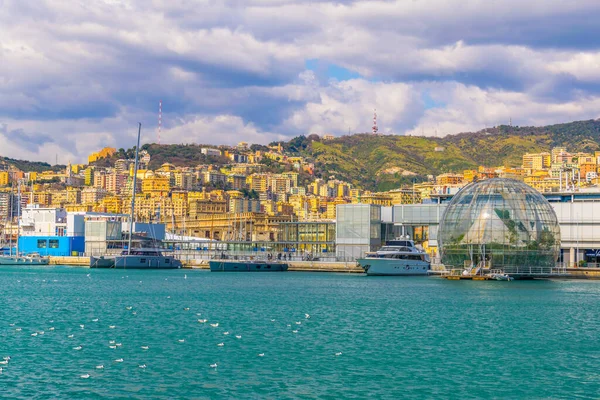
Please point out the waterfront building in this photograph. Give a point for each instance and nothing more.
(501, 224)
(358, 230)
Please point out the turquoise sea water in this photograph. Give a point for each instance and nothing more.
(398, 337)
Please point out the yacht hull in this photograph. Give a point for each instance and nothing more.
(135, 262)
(247, 266)
(13, 260)
(392, 267)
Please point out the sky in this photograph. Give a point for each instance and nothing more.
(78, 75)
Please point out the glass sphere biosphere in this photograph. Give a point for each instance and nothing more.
(500, 224)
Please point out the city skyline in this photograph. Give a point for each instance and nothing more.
(77, 77)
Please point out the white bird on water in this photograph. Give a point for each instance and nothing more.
(1, 369)
(186, 309)
(95, 320)
(119, 360)
(7, 358)
(295, 331)
(71, 336)
(77, 348)
(215, 325)
(111, 326)
(128, 308)
(82, 326)
(338, 354)
(51, 328)
(100, 366)
(112, 346)
(142, 366)
(221, 344)
(225, 333)
(298, 322)
(145, 347)
(111, 342)
(4, 362)
(261, 354)
(18, 329)
(181, 340)
(307, 316)
(12, 324)
(34, 334)
(238, 336)
(184, 276)
(214, 365)
(202, 321)
(85, 376)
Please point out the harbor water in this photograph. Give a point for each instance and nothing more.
(293, 335)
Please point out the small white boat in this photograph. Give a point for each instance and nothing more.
(502, 277)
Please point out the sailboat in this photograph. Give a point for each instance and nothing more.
(18, 259)
(138, 258)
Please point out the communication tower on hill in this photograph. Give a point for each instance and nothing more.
(159, 119)
(375, 129)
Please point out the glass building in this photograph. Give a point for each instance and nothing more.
(358, 230)
(500, 224)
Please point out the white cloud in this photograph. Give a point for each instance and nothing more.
(86, 71)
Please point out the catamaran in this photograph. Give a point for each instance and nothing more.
(139, 258)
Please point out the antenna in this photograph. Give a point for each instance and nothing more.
(375, 129)
(159, 119)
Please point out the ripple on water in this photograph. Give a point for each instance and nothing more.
(399, 338)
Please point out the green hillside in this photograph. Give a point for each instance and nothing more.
(384, 162)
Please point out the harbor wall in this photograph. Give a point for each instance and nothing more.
(313, 266)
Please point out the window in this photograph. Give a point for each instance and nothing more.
(53, 243)
(42, 243)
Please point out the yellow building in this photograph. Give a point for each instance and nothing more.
(156, 186)
(257, 182)
(449, 179)
(537, 161)
(105, 152)
(382, 199)
(405, 196)
(4, 178)
(111, 204)
(470, 175)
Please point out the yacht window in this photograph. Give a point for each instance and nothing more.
(142, 260)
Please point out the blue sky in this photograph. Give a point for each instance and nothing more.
(76, 76)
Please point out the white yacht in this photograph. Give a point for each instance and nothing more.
(397, 257)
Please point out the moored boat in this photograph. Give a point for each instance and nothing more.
(397, 259)
(31, 259)
(137, 259)
(247, 266)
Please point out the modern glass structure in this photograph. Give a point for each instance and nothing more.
(500, 224)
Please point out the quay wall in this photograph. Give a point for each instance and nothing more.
(310, 266)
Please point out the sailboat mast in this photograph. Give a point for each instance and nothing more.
(135, 171)
(18, 215)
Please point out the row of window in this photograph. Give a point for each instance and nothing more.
(47, 244)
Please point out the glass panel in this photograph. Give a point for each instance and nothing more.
(503, 222)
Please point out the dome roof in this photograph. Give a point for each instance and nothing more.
(500, 222)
